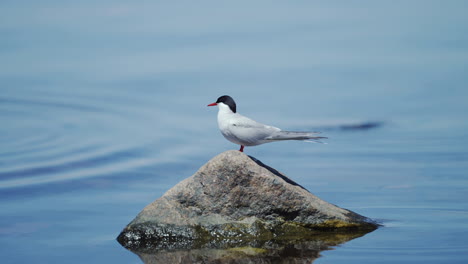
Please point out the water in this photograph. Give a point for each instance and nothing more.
(103, 109)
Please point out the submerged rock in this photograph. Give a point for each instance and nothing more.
(235, 200)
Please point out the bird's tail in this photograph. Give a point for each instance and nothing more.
(293, 135)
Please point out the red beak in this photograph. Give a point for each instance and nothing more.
(213, 104)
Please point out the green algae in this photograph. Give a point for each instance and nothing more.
(250, 251)
(237, 235)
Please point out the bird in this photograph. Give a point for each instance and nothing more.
(244, 131)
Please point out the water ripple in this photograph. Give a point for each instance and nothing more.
(55, 137)
(65, 164)
(50, 103)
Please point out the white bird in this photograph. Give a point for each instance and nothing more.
(244, 131)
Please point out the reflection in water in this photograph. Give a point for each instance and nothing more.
(271, 251)
(365, 125)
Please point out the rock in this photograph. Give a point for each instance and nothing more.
(236, 199)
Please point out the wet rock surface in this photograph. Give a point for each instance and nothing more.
(237, 201)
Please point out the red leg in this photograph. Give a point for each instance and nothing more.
(242, 148)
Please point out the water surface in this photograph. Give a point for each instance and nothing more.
(103, 109)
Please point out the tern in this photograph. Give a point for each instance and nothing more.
(244, 131)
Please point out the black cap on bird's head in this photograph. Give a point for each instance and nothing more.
(227, 100)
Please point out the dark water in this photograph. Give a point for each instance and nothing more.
(103, 109)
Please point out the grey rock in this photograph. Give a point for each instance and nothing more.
(232, 199)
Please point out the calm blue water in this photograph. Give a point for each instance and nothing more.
(103, 109)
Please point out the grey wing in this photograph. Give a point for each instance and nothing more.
(251, 132)
(295, 135)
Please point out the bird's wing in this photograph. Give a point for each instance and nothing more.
(294, 135)
(251, 131)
